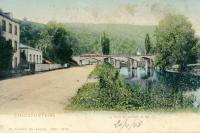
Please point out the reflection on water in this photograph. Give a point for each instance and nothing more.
(150, 78)
(168, 81)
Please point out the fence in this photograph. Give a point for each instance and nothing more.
(46, 67)
(30, 69)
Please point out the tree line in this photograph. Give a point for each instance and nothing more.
(176, 43)
(57, 44)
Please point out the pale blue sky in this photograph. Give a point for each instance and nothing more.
(139, 12)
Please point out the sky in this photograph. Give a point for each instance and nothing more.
(137, 12)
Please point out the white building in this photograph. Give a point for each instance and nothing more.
(10, 30)
(33, 55)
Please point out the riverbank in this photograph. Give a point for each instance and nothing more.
(112, 93)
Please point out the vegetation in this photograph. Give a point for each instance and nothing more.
(30, 33)
(147, 44)
(105, 44)
(113, 93)
(175, 42)
(6, 54)
(88, 37)
(54, 40)
(56, 43)
(124, 39)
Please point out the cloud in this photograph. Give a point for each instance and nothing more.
(128, 9)
(161, 10)
(109, 14)
(93, 11)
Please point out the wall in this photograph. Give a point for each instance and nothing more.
(12, 37)
(46, 67)
(33, 52)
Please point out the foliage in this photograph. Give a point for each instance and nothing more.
(105, 44)
(175, 42)
(30, 33)
(198, 49)
(88, 36)
(6, 54)
(56, 43)
(87, 97)
(147, 44)
(113, 93)
(159, 99)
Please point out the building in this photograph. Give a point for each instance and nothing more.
(10, 30)
(33, 55)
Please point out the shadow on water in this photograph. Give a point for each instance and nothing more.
(170, 82)
(150, 78)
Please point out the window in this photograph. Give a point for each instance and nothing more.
(37, 59)
(10, 28)
(10, 41)
(3, 25)
(15, 47)
(34, 58)
(15, 30)
(15, 62)
(40, 59)
(30, 57)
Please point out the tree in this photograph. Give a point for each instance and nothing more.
(6, 54)
(105, 43)
(30, 33)
(56, 43)
(62, 45)
(147, 44)
(175, 42)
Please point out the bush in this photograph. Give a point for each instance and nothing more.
(86, 97)
(6, 54)
(113, 93)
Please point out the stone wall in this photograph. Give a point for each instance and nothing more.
(47, 67)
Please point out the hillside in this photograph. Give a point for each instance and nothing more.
(125, 39)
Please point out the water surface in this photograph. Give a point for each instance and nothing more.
(168, 81)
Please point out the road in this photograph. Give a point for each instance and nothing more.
(47, 92)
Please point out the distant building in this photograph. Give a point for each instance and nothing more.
(10, 30)
(33, 55)
(138, 53)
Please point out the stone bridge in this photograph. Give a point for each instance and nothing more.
(116, 61)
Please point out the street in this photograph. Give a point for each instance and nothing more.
(47, 92)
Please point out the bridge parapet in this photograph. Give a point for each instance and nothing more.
(115, 60)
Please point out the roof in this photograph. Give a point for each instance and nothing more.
(47, 61)
(8, 16)
(28, 47)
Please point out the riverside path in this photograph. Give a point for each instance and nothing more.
(47, 92)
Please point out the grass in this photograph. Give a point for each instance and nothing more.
(86, 98)
(112, 93)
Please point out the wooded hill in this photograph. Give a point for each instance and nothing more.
(125, 39)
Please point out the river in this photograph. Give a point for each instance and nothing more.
(150, 78)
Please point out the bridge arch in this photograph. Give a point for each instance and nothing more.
(89, 59)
